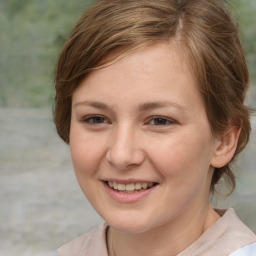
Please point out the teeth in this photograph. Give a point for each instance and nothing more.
(150, 185)
(115, 185)
(144, 185)
(121, 186)
(130, 187)
(110, 183)
(138, 186)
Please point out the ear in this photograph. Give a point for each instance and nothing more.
(226, 147)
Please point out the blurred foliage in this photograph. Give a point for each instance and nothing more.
(244, 12)
(33, 31)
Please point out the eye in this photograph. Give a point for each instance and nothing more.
(161, 121)
(94, 119)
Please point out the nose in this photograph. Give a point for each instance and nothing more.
(124, 151)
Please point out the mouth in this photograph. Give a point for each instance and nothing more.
(131, 187)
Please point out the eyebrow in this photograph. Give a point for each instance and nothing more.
(159, 104)
(141, 108)
(94, 104)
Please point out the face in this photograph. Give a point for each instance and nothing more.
(140, 140)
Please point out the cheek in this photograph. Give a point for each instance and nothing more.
(85, 152)
(182, 158)
(86, 156)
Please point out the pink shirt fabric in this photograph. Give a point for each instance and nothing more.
(226, 236)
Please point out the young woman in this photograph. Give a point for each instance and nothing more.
(150, 98)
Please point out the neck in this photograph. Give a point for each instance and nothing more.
(167, 240)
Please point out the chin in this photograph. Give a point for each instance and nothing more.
(129, 228)
(129, 224)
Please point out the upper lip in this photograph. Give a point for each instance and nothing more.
(129, 181)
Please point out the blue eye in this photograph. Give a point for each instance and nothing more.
(94, 119)
(159, 120)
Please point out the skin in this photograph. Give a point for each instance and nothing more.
(150, 125)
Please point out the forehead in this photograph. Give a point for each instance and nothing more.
(174, 48)
(155, 72)
(157, 52)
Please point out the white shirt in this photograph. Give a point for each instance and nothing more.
(248, 250)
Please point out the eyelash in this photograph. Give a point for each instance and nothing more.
(98, 119)
(92, 118)
(167, 121)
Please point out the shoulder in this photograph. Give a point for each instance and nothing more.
(248, 250)
(234, 236)
(225, 237)
(92, 243)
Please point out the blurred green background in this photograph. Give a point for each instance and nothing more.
(33, 31)
(31, 35)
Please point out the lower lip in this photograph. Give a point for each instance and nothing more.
(123, 197)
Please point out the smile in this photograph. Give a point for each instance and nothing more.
(129, 191)
(131, 187)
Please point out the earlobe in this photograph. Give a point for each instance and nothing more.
(226, 147)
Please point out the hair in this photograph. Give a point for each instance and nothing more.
(205, 30)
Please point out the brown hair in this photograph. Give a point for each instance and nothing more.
(204, 29)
